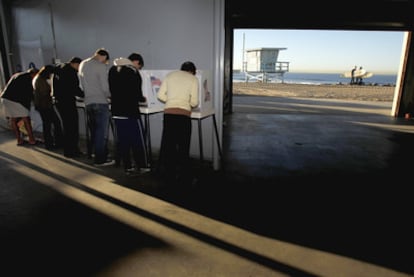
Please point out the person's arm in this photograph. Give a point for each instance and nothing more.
(194, 101)
(103, 80)
(162, 92)
(77, 90)
(141, 96)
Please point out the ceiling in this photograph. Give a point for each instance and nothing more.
(318, 14)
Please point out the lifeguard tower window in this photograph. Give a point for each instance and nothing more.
(265, 60)
(262, 64)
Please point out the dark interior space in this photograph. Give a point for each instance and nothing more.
(335, 181)
(351, 15)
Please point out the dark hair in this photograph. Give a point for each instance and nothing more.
(136, 57)
(46, 70)
(33, 70)
(75, 60)
(189, 67)
(102, 52)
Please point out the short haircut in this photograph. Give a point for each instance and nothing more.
(102, 52)
(75, 60)
(189, 67)
(136, 57)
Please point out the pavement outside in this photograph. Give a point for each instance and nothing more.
(307, 188)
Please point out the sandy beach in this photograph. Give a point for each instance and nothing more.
(355, 92)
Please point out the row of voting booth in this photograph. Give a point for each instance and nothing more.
(204, 130)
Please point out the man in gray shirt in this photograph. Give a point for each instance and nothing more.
(93, 76)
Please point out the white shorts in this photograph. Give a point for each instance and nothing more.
(14, 109)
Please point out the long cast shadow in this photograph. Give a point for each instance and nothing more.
(67, 234)
(340, 188)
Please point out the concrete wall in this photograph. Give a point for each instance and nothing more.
(166, 33)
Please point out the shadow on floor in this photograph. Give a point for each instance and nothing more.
(336, 181)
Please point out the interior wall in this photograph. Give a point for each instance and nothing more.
(166, 33)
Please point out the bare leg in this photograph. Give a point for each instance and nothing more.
(28, 126)
(13, 123)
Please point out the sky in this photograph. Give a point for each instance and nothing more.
(325, 51)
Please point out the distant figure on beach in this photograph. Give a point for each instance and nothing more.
(358, 80)
(353, 81)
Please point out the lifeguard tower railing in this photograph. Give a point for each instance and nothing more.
(269, 72)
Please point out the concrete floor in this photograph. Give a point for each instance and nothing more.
(307, 188)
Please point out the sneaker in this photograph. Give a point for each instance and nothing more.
(144, 170)
(107, 163)
(131, 169)
(136, 172)
(132, 172)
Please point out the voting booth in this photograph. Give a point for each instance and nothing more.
(151, 82)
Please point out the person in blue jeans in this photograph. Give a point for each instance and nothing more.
(98, 120)
(125, 84)
(93, 76)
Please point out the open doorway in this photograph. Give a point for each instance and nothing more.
(314, 119)
(317, 63)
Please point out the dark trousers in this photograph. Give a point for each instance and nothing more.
(70, 122)
(52, 129)
(130, 141)
(175, 146)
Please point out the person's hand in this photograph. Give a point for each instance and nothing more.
(79, 99)
(143, 102)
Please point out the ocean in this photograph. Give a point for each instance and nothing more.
(320, 78)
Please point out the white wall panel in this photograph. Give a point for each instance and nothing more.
(166, 33)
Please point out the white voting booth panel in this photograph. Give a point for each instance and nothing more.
(205, 94)
(151, 82)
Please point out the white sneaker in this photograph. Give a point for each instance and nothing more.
(131, 172)
(107, 163)
(144, 170)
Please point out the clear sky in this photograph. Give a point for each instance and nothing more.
(325, 51)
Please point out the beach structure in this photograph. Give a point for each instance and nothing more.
(262, 64)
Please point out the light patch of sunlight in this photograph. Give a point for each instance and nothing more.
(391, 127)
(60, 176)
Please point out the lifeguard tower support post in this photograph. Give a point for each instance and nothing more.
(262, 63)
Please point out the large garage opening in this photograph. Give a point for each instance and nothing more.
(322, 64)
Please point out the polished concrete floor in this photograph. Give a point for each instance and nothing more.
(307, 188)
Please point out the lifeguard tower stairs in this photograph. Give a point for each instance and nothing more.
(261, 64)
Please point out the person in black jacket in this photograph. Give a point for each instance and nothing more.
(125, 85)
(43, 103)
(17, 99)
(66, 89)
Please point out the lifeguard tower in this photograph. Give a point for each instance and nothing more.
(262, 64)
